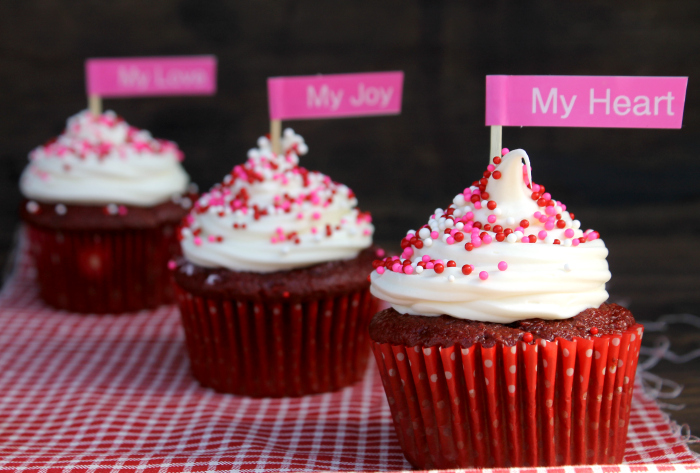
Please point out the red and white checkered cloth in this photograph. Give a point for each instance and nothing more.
(113, 393)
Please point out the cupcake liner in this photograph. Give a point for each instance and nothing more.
(277, 348)
(103, 271)
(542, 404)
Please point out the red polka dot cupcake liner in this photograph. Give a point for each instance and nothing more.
(541, 404)
(103, 271)
(277, 348)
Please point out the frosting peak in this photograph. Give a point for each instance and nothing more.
(270, 214)
(504, 250)
(103, 160)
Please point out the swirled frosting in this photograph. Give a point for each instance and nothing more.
(504, 250)
(270, 214)
(103, 160)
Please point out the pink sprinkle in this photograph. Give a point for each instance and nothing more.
(408, 269)
(425, 258)
(470, 216)
(197, 241)
(537, 215)
(535, 188)
(569, 233)
(490, 167)
(476, 241)
(520, 229)
(395, 258)
(300, 215)
(483, 275)
(477, 205)
(467, 192)
(525, 240)
(408, 251)
(542, 234)
(172, 265)
(314, 230)
(550, 210)
(546, 196)
(410, 235)
(450, 241)
(123, 210)
(273, 240)
(487, 239)
(491, 219)
(380, 252)
(502, 266)
(316, 215)
(211, 238)
(429, 265)
(380, 270)
(543, 218)
(575, 242)
(366, 232)
(592, 236)
(434, 234)
(439, 261)
(504, 151)
(563, 207)
(396, 267)
(549, 226)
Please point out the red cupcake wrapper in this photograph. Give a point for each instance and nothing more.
(277, 349)
(545, 404)
(96, 271)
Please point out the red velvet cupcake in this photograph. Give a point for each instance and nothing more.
(273, 286)
(498, 350)
(103, 201)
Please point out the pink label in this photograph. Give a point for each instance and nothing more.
(585, 101)
(334, 96)
(131, 77)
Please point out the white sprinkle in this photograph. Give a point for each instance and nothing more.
(549, 239)
(61, 209)
(510, 221)
(459, 200)
(575, 224)
(441, 224)
(518, 234)
(212, 278)
(419, 269)
(444, 237)
(497, 211)
(449, 223)
(32, 207)
(459, 226)
(457, 213)
(424, 233)
(112, 209)
(285, 249)
(567, 242)
(567, 267)
(451, 278)
(188, 269)
(410, 232)
(511, 238)
(428, 242)
(317, 237)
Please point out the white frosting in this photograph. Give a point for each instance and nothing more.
(543, 279)
(303, 217)
(103, 160)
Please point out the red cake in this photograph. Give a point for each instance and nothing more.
(103, 201)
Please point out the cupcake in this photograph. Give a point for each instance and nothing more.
(498, 349)
(102, 203)
(273, 283)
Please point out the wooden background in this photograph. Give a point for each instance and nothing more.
(639, 188)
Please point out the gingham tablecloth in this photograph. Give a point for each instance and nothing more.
(114, 393)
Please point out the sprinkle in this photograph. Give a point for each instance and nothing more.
(483, 275)
(527, 337)
(542, 235)
(567, 267)
(61, 209)
(512, 238)
(419, 269)
(123, 210)
(172, 265)
(594, 330)
(575, 242)
(316, 215)
(197, 241)
(428, 242)
(467, 269)
(451, 278)
(380, 252)
(32, 207)
(408, 269)
(502, 266)
(504, 151)
(439, 268)
(396, 267)
(380, 270)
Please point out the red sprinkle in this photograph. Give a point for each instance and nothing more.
(532, 238)
(491, 205)
(458, 236)
(286, 293)
(497, 160)
(527, 338)
(485, 195)
(594, 330)
(500, 236)
(496, 174)
(468, 246)
(524, 223)
(439, 268)
(451, 264)
(467, 269)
